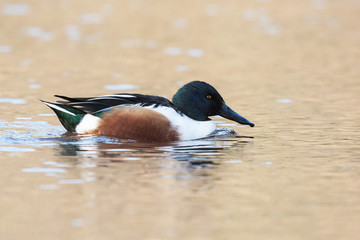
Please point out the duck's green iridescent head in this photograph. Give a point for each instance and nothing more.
(199, 100)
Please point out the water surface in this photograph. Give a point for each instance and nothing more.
(293, 70)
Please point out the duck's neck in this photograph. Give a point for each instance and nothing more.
(189, 105)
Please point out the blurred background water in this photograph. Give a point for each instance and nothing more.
(290, 67)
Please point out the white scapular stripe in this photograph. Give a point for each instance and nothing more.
(87, 124)
(114, 96)
(59, 108)
(188, 128)
(124, 95)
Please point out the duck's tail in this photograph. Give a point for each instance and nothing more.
(69, 116)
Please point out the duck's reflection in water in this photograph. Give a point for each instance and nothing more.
(125, 164)
(102, 150)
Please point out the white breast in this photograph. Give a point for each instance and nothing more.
(88, 124)
(187, 127)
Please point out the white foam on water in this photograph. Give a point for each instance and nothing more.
(91, 18)
(39, 33)
(260, 16)
(151, 44)
(266, 163)
(71, 181)
(43, 170)
(34, 86)
(131, 158)
(173, 51)
(26, 62)
(48, 187)
(6, 49)
(107, 9)
(66, 74)
(120, 87)
(77, 222)
(180, 23)
(19, 9)
(127, 43)
(195, 52)
(272, 29)
(212, 10)
(234, 161)
(16, 149)
(318, 4)
(13, 100)
(92, 38)
(73, 32)
(284, 100)
(23, 118)
(181, 68)
(49, 163)
(46, 114)
(117, 75)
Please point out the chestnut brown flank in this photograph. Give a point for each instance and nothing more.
(137, 123)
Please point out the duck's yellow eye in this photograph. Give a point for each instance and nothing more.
(208, 97)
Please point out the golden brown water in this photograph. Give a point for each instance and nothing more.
(290, 67)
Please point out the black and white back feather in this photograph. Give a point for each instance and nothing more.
(95, 105)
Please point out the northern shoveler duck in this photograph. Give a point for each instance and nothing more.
(146, 117)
